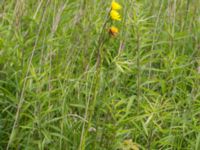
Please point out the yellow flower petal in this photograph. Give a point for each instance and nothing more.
(115, 15)
(113, 31)
(115, 5)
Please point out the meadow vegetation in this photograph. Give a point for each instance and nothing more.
(68, 83)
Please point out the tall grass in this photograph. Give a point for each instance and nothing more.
(64, 87)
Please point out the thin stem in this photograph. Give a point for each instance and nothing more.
(90, 111)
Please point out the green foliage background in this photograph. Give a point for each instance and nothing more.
(54, 96)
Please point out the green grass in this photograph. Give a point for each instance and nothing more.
(66, 84)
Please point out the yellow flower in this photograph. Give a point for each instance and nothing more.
(115, 5)
(113, 31)
(115, 15)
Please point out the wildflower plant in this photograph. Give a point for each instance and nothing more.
(113, 15)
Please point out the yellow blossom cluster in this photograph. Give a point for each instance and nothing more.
(114, 15)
